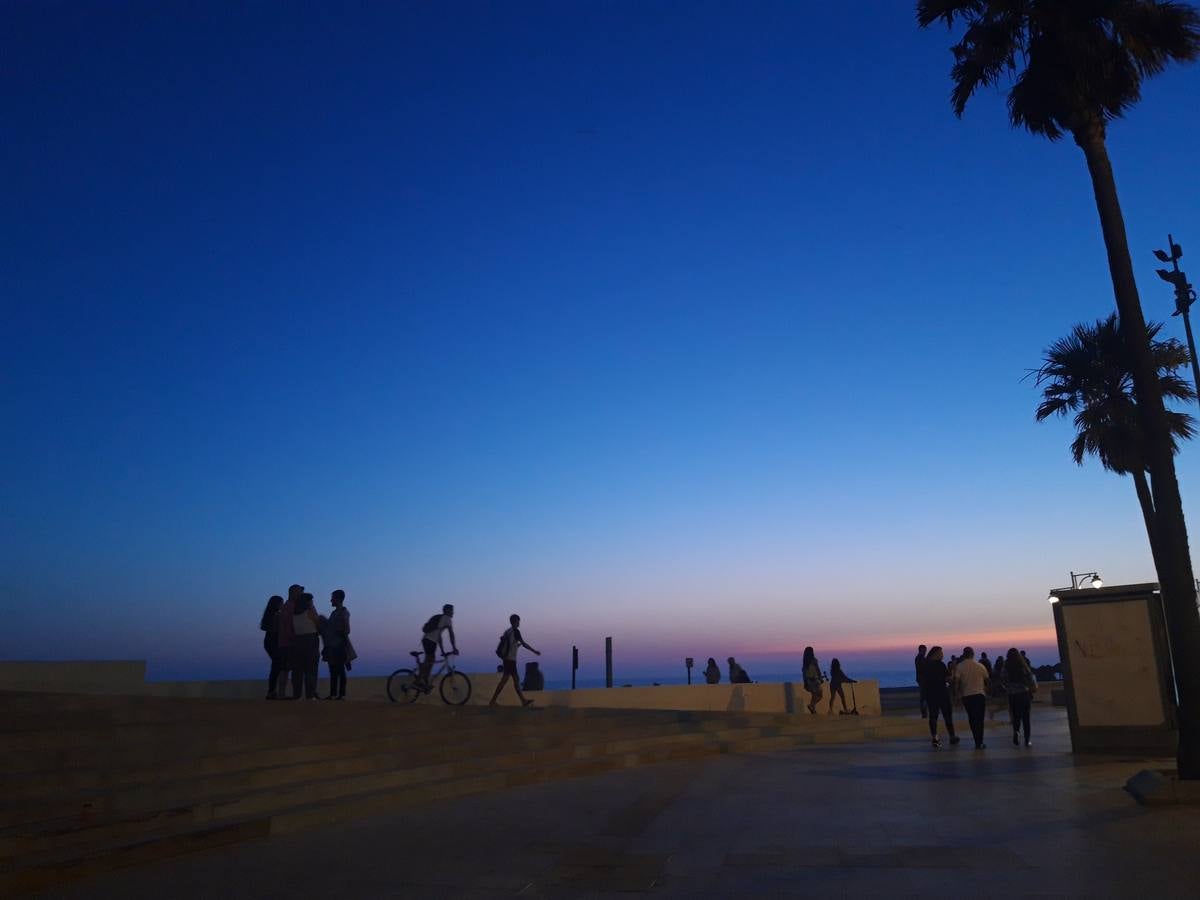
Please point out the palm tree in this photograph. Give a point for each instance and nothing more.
(1073, 67)
(1088, 373)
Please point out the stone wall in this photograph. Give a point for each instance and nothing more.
(129, 678)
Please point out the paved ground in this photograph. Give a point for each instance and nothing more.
(895, 819)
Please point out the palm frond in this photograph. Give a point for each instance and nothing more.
(1071, 64)
(1088, 373)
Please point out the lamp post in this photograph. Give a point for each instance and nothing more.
(1077, 583)
(1185, 296)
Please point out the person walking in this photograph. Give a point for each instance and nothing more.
(836, 679)
(269, 624)
(337, 644)
(971, 682)
(811, 672)
(937, 694)
(511, 642)
(1020, 686)
(919, 665)
(306, 647)
(712, 672)
(986, 663)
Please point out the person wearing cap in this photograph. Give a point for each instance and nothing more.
(971, 682)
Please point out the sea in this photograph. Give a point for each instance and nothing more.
(887, 678)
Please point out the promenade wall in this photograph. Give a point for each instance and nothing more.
(128, 677)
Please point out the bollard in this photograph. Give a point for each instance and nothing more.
(608, 662)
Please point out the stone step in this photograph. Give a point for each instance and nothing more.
(62, 852)
(143, 791)
(103, 775)
(133, 748)
(217, 801)
(258, 791)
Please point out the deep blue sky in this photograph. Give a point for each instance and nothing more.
(702, 325)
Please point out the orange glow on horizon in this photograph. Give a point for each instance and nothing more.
(994, 640)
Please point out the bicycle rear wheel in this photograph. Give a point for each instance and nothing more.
(455, 689)
(402, 686)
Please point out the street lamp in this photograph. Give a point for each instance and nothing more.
(1077, 583)
(1185, 296)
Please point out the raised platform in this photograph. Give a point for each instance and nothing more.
(91, 783)
(128, 678)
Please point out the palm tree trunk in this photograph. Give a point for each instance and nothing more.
(1146, 501)
(1172, 558)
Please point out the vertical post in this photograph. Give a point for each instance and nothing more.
(688, 662)
(1187, 325)
(608, 662)
(1185, 296)
(574, 664)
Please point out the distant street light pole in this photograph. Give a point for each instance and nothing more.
(1185, 296)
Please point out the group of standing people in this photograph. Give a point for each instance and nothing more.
(811, 673)
(972, 681)
(293, 634)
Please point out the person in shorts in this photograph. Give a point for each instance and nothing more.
(431, 639)
(512, 642)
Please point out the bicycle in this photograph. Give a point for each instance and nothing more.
(406, 685)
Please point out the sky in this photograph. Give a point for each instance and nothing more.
(703, 326)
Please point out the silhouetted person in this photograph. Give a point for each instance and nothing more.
(287, 634)
(1025, 659)
(937, 694)
(971, 680)
(712, 672)
(998, 676)
(534, 680)
(737, 675)
(306, 648)
(512, 642)
(270, 627)
(337, 644)
(919, 665)
(836, 679)
(986, 663)
(431, 638)
(811, 672)
(1019, 684)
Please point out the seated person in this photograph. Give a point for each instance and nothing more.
(737, 675)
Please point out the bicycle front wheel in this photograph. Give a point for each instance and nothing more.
(455, 689)
(402, 686)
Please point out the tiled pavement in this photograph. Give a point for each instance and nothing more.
(894, 819)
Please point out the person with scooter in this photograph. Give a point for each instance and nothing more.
(836, 679)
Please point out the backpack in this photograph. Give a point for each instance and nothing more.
(502, 647)
(432, 623)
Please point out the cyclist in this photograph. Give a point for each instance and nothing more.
(431, 639)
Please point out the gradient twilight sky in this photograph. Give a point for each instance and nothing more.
(701, 325)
